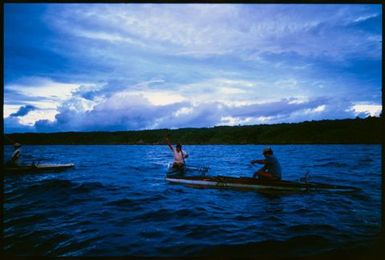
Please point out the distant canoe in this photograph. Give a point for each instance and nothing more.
(255, 184)
(38, 168)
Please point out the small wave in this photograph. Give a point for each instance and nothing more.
(141, 200)
(33, 243)
(11, 209)
(327, 159)
(157, 215)
(199, 233)
(24, 220)
(78, 200)
(244, 218)
(363, 196)
(181, 227)
(182, 213)
(271, 218)
(182, 250)
(296, 246)
(102, 214)
(122, 222)
(177, 188)
(325, 179)
(311, 227)
(88, 187)
(72, 246)
(50, 188)
(301, 211)
(151, 234)
(203, 231)
(365, 160)
(134, 168)
(331, 164)
(201, 210)
(13, 196)
(43, 246)
(148, 167)
(63, 187)
(165, 214)
(47, 184)
(123, 203)
(215, 207)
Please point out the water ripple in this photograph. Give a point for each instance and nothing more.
(119, 203)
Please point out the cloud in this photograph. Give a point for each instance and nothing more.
(282, 107)
(139, 66)
(211, 30)
(365, 110)
(121, 111)
(42, 88)
(148, 105)
(23, 111)
(130, 111)
(38, 91)
(39, 98)
(13, 125)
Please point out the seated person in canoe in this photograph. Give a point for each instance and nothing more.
(271, 169)
(179, 155)
(15, 155)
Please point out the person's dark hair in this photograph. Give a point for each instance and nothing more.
(267, 150)
(179, 146)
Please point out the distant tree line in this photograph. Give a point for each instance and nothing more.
(347, 131)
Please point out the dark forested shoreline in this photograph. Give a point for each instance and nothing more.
(348, 131)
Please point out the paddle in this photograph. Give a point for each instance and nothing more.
(305, 178)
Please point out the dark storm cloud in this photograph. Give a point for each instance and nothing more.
(23, 111)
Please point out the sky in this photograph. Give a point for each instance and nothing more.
(117, 67)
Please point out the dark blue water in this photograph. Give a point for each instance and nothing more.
(116, 202)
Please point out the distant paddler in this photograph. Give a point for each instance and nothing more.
(15, 158)
(15, 155)
(271, 169)
(179, 155)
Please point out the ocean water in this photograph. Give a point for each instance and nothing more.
(116, 202)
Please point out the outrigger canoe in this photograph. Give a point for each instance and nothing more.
(37, 168)
(255, 184)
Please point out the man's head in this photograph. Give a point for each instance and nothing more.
(16, 145)
(178, 147)
(267, 151)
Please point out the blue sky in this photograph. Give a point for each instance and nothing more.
(107, 67)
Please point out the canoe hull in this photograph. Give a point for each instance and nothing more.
(254, 184)
(38, 168)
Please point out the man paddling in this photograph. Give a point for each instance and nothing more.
(271, 169)
(179, 155)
